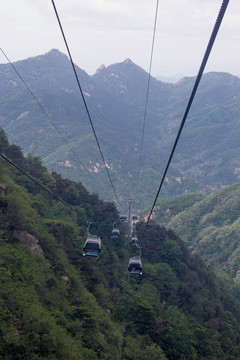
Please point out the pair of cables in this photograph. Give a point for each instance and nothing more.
(85, 103)
(194, 90)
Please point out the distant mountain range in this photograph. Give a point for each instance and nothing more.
(170, 78)
(206, 159)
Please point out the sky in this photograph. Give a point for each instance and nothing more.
(110, 31)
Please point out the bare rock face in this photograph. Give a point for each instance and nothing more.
(2, 189)
(30, 241)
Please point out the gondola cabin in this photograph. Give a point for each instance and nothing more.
(134, 241)
(92, 246)
(135, 266)
(123, 218)
(115, 234)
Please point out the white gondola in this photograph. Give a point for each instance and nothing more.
(115, 234)
(92, 246)
(134, 241)
(123, 218)
(135, 266)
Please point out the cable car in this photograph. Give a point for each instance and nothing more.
(92, 246)
(115, 234)
(134, 241)
(135, 265)
(123, 218)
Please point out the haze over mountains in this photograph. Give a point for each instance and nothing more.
(170, 78)
(206, 159)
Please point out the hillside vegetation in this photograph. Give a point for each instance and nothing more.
(206, 157)
(209, 225)
(56, 304)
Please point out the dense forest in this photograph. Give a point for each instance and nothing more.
(57, 304)
(210, 226)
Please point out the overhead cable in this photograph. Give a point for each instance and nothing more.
(47, 115)
(197, 81)
(84, 101)
(38, 183)
(148, 86)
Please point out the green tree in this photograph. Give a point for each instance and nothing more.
(178, 340)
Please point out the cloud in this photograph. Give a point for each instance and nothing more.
(108, 31)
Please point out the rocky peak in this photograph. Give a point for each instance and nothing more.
(2, 189)
(128, 61)
(102, 67)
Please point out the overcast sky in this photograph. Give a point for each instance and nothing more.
(109, 31)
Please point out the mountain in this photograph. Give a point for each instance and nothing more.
(206, 158)
(209, 225)
(57, 304)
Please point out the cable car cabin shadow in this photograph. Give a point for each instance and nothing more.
(115, 234)
(92, 246)
(135, 266)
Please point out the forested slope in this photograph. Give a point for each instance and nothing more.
(56, 304)
(209, 225)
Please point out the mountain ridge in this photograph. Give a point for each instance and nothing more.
(206, 157)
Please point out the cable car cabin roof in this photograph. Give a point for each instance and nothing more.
(135, 266)
(134, 238)
(115, 230)
(93, 239)
(135, 260)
